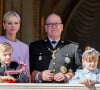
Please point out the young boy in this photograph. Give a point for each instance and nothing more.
(11, 72)
(89, 74)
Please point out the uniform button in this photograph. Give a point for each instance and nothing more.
(54, 63)
(53, 70)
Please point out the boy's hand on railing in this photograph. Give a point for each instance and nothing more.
(6, 79)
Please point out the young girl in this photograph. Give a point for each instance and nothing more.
(11, 71)
(89, 74)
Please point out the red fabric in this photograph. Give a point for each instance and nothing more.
(33, 75)
(11, 81)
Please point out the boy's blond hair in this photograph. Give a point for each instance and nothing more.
(4, 46)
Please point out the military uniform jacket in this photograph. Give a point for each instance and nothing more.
(68, 57)
(24, 77)
(41, 57)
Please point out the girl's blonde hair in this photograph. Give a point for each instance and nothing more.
(10, 14)
(90, 54)
(4, 46)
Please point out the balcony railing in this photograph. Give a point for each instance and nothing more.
(42, 86)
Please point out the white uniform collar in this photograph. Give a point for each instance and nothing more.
(53, 40)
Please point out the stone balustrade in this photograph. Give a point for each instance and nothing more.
(42, 86)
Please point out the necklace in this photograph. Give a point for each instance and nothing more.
(53, 52)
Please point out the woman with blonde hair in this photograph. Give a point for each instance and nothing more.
(11, 24)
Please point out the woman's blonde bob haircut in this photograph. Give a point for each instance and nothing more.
(10, 14)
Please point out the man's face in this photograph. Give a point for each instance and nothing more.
(54, 26)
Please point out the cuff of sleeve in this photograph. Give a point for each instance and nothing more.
(33, 75)
(37, 78)
(69, 75)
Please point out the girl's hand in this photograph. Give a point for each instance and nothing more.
(87, 82)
